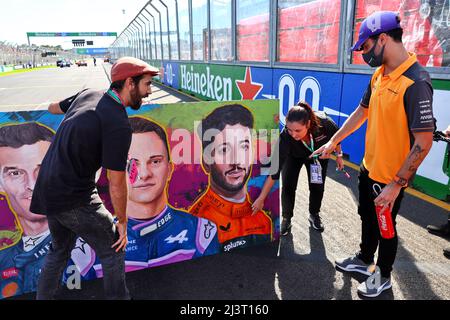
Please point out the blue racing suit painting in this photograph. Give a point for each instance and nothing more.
(172, 236)
(20, 265)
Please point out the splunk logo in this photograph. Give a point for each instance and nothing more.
(234, 244)
(206, 84)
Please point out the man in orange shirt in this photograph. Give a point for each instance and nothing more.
(226, 136)
(398, 108)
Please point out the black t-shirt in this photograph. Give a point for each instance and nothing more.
(66, 103)
(289, 147)
(95, 133)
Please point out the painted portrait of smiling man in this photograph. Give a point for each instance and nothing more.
(227, 158)
(22, 149)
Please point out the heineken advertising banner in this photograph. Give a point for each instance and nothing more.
(335, 93)
(194, 171)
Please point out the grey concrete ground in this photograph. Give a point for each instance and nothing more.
(299, 266)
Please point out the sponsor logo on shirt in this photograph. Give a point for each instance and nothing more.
(10, 273)
(320, 138)
(208, 227)
(226, 228)
(180, 238)
(426, 112)
(164, 220)
(42, 252)
(131, 246)
(31, 242)
(392, 91)
(427, 117)
(9, 290)
(156, 225)
(235, 244)
(81, 245)
(254, 228)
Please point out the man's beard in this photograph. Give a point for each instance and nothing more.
(136, 99)
(220, 179)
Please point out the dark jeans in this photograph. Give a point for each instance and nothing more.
(290, 173)
(94, 223)
(370, 234)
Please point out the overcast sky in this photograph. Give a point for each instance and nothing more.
(21, 16)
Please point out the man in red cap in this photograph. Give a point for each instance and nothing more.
(397, 105)
(94, 133)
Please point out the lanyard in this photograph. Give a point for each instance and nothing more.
(113, 94)
(311, 148)
(312, 144)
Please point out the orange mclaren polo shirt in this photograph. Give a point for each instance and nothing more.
(400, 104)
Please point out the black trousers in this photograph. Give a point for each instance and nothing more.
(94, 223)
(290, 173)
(370, 234)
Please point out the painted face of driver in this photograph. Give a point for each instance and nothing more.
(153, 167)
(19, 170)
(232, 157)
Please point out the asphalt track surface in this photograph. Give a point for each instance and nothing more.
(36, 89)
(299, 266)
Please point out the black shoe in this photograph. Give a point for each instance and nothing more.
(286, 227)
(316, 222)
(442, 230)
(447, 253)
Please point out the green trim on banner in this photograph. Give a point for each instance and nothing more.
(183, 115)
(72, 34)
(441, 85)
(432, 188)
(211, 82)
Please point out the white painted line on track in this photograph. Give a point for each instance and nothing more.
(24, 107)
(52, 86)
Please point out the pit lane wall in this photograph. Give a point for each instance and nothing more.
(338, 94)
(193, 219)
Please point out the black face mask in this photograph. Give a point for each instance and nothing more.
(372, 59)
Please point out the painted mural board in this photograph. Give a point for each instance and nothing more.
(188, 197)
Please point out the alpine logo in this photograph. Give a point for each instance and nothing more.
(180, 238)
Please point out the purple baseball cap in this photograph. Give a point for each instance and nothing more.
(376, 23)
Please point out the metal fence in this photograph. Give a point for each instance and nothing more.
(23, 56)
